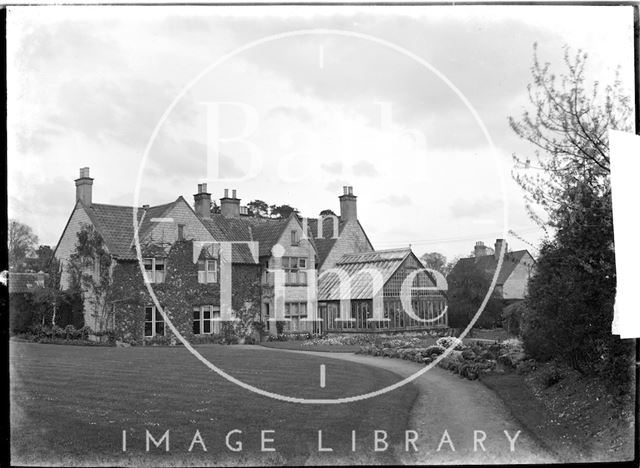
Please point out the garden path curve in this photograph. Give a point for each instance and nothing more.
(459, 406)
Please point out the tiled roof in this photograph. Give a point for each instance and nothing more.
(115, 224)
(150, 213)
(265, 231)
(487, 264)
(228, 229)
(25, 282)
(384, 261)
(267, 234)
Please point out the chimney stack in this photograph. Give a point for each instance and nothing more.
(479, 249)
(500, 244)
(202, 202)
(348, 205)
(84, 185)
(230, 206)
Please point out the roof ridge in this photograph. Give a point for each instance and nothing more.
(141, 207)
(403, 249)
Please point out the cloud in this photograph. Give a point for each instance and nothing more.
(475, 208)
(365, 169)
(332, 168)
(396, 200)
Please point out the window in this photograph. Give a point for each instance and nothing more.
(207, 271)
(204, 322)
(154, 268)
(153, 322)
(295, 238)
(294, 270)
(295, 311)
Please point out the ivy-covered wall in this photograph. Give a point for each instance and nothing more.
(178, 294)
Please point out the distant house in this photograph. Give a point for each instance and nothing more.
(513, 277)
(25, 283)
(188, 288)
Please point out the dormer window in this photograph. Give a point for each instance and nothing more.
(154, 270)
(295, 238)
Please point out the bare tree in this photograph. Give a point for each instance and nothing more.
(568, 127)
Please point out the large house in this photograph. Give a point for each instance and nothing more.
(513, 277)
(308, 253)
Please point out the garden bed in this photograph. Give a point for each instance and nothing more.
(571, 414)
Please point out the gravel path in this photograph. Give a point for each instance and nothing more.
(458, 406)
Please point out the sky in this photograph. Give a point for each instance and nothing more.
(288, 105)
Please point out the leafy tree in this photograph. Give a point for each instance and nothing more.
(258, 208)
(435, 261)
(215, 209)
(468, 287)
(40, 262)
(282, 211)
(569, 307)
(22, 242)
(327, 212)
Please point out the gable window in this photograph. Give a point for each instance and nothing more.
(208, 271)
(294, 269)
(295, 238)
(204, 322)
(154, 269)
(153, 322)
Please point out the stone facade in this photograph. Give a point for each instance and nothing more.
(67, 242)
(352, 240)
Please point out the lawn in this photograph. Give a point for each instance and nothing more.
(70, 404)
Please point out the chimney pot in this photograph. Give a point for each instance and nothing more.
(145, 207)
(84, 187)
(348, 204)
(202, 202)
(230, 207)
(499, 246)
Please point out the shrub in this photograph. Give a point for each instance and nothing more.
(512, 345)
(434, 349)
(70, 332)
(512, 316)
(450, 342)
(158, 340)
(84, 332)
(550, 376)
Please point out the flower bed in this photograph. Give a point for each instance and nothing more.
(469, 361)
